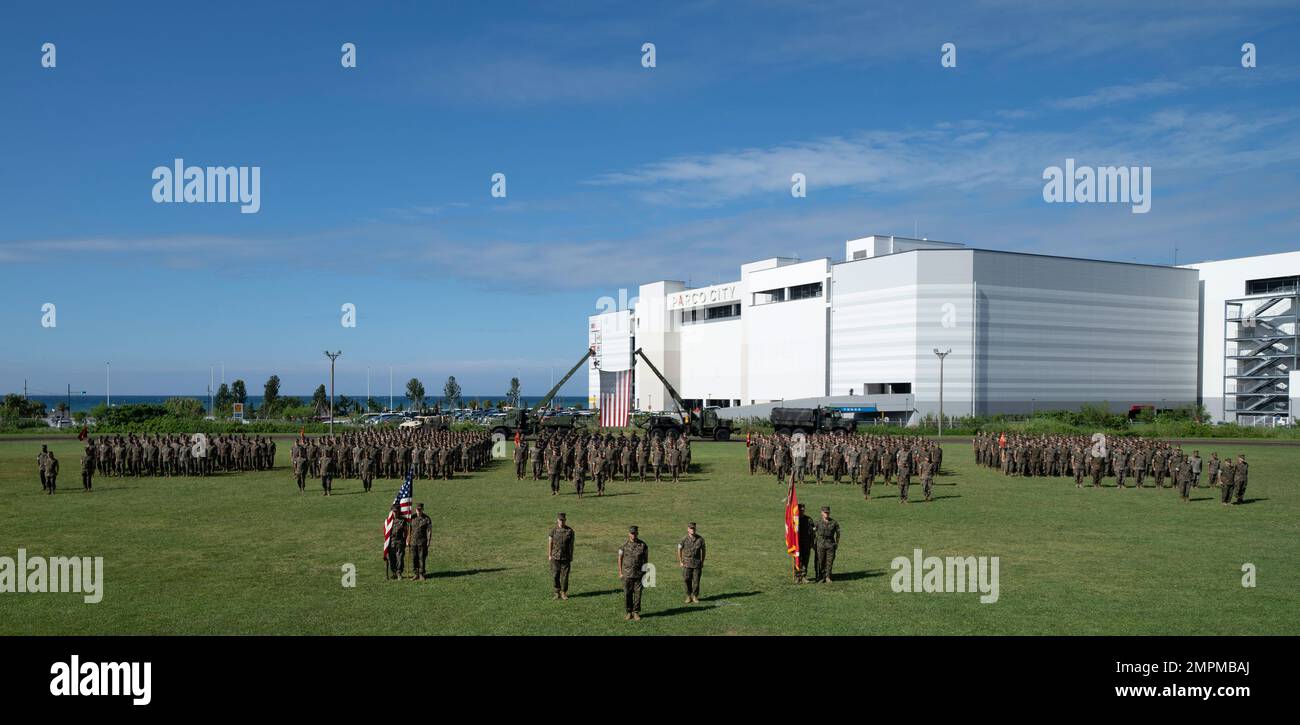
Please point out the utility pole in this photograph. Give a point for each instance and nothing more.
(941, 356)
(367, 388)
(390, 387)
(108, 385)
(211, 379)
(332, 356)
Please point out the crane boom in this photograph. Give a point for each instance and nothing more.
(549, 396)
(681, 404)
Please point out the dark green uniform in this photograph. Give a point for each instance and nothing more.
(561, 556)
(421, 532)
(634, 554)
(397, 548)
(826, 535)
(692, 551)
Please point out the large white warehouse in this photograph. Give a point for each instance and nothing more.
(1019, 331)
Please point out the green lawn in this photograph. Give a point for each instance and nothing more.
(245, 554)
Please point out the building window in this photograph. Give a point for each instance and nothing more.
(1274, 285)
(722, 311)
(806, 291)
(767, 297)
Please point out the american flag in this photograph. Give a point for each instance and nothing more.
(615, 398)
(403, 501)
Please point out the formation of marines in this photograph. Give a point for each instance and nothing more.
(171, 455)
(582, 456)
(852, 458)
(368, 455)
(631, 564)
(1130, 461)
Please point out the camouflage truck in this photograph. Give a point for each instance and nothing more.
(530, 421)
(703, 423)
(810, 420)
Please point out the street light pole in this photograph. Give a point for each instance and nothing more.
(108, 385)
(332, 356)
(941, 356)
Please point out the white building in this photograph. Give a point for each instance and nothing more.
(1248, 338)
(1025, 332)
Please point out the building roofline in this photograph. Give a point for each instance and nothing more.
(1234, 259)
(1020, 254)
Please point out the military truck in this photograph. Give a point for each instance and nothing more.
(529, 421)
(810, 420)
(704, 423)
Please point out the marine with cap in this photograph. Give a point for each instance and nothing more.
(827, 535)
(51, 470)
(1238, 479)
(559, 554)
(805, 547)
(396, 554)
(690, 557)
(41, 467)
(419, 536)
(633, 555)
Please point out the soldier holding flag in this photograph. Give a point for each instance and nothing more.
(395, 530)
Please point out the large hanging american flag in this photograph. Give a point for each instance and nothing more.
(403, 502)
(615, 399)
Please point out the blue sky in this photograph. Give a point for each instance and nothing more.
(375, 180)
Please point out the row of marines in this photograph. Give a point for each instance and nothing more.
(579, 456)
(179, 454)
(858, 457)
(1082, 457)
(366, 455)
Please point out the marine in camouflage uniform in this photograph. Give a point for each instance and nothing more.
(420, 534)
(690, 557)
(806, 537)
(42, 468)
(553, 464)
(1238, 480)
(87, 467)
(904, 464)
(633, 555)
(396, 554)
(559, 554)
(927, 477)
(827, 540)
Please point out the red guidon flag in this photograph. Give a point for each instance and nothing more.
(792, 523)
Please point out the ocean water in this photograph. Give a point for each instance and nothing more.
(87, 402)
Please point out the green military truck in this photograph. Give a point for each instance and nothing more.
(531, 421)
(704, 423)
(811, 420)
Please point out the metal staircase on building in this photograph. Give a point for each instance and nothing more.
(1260, 351)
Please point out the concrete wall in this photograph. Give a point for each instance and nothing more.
(1053, 332)
(785, 342)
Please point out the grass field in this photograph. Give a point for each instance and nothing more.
(245, 554)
